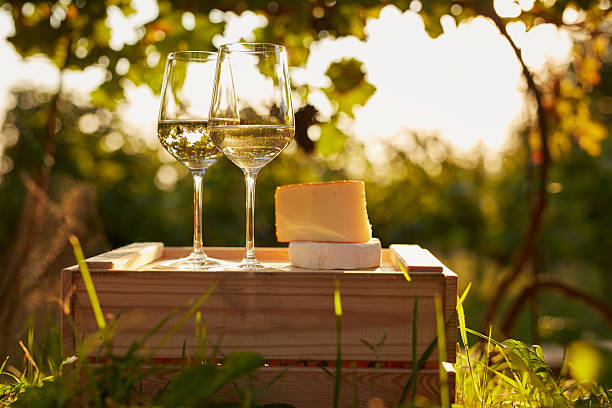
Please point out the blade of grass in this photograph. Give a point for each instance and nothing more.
(519, 385)
(355, 387)
(561, 371)
(482, 336)
(217, 344)
(28, 356)
(484, 379)
(91, 291)
(31, 363)
(338, 312)
(464, 339)
(275, 379)
(198, 334)
(138, 344)
(415, 367)
(465, 292)
(404, 271)
(440, 328)
(2, 372)
(426, 354)
(184, 318)
(3, 364)
(11, 375)
(504, 377)
(326, 371)
(203, 341)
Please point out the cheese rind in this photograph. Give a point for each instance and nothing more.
(325, 212)
(331, 255)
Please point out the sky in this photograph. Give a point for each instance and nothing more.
(465, 85)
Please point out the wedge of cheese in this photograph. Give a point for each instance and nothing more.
(332, 255)
(325, 212)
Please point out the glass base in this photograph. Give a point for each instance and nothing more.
(195, 261)
(253, 265)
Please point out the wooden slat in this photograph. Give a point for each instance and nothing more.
(127, 257)
(280, 315)
(307, 387)
(68, 302)
(450, 313)
(415, 259)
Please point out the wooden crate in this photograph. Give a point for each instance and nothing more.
(284, 316)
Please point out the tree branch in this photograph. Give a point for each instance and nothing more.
(548, 282)
(540, 199)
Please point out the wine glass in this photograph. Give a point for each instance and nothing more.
(251, 117)
(183, 131)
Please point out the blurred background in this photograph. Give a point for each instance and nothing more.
(480, 129)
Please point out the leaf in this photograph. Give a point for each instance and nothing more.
(332, 140)
(431, 13)
(350, 87)
(195, 386)
(529, 362)
(366, 343)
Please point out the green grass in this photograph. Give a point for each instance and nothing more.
(490, 373)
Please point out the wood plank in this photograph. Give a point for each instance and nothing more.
(307, 387)
(68, 302)
(127, 257)
(450, 313)
(280, 315)
(415, 259)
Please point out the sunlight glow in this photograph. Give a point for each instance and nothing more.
(139, 113)
(127, 29)
(238, 27)
(507, 8)
(465, 85)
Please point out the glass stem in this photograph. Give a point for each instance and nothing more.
(198, 177)
(250, 177)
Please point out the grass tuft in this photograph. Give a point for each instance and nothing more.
(490, 373)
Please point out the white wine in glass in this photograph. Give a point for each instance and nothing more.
(252, 146)
(188, 141)
(251, 117)
(184, 132)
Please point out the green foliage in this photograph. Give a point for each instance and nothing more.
(517, 374)
(465, 213)
(197, 386)
(511, 374)
(349, 86)
(332, 139)
(115, 380)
